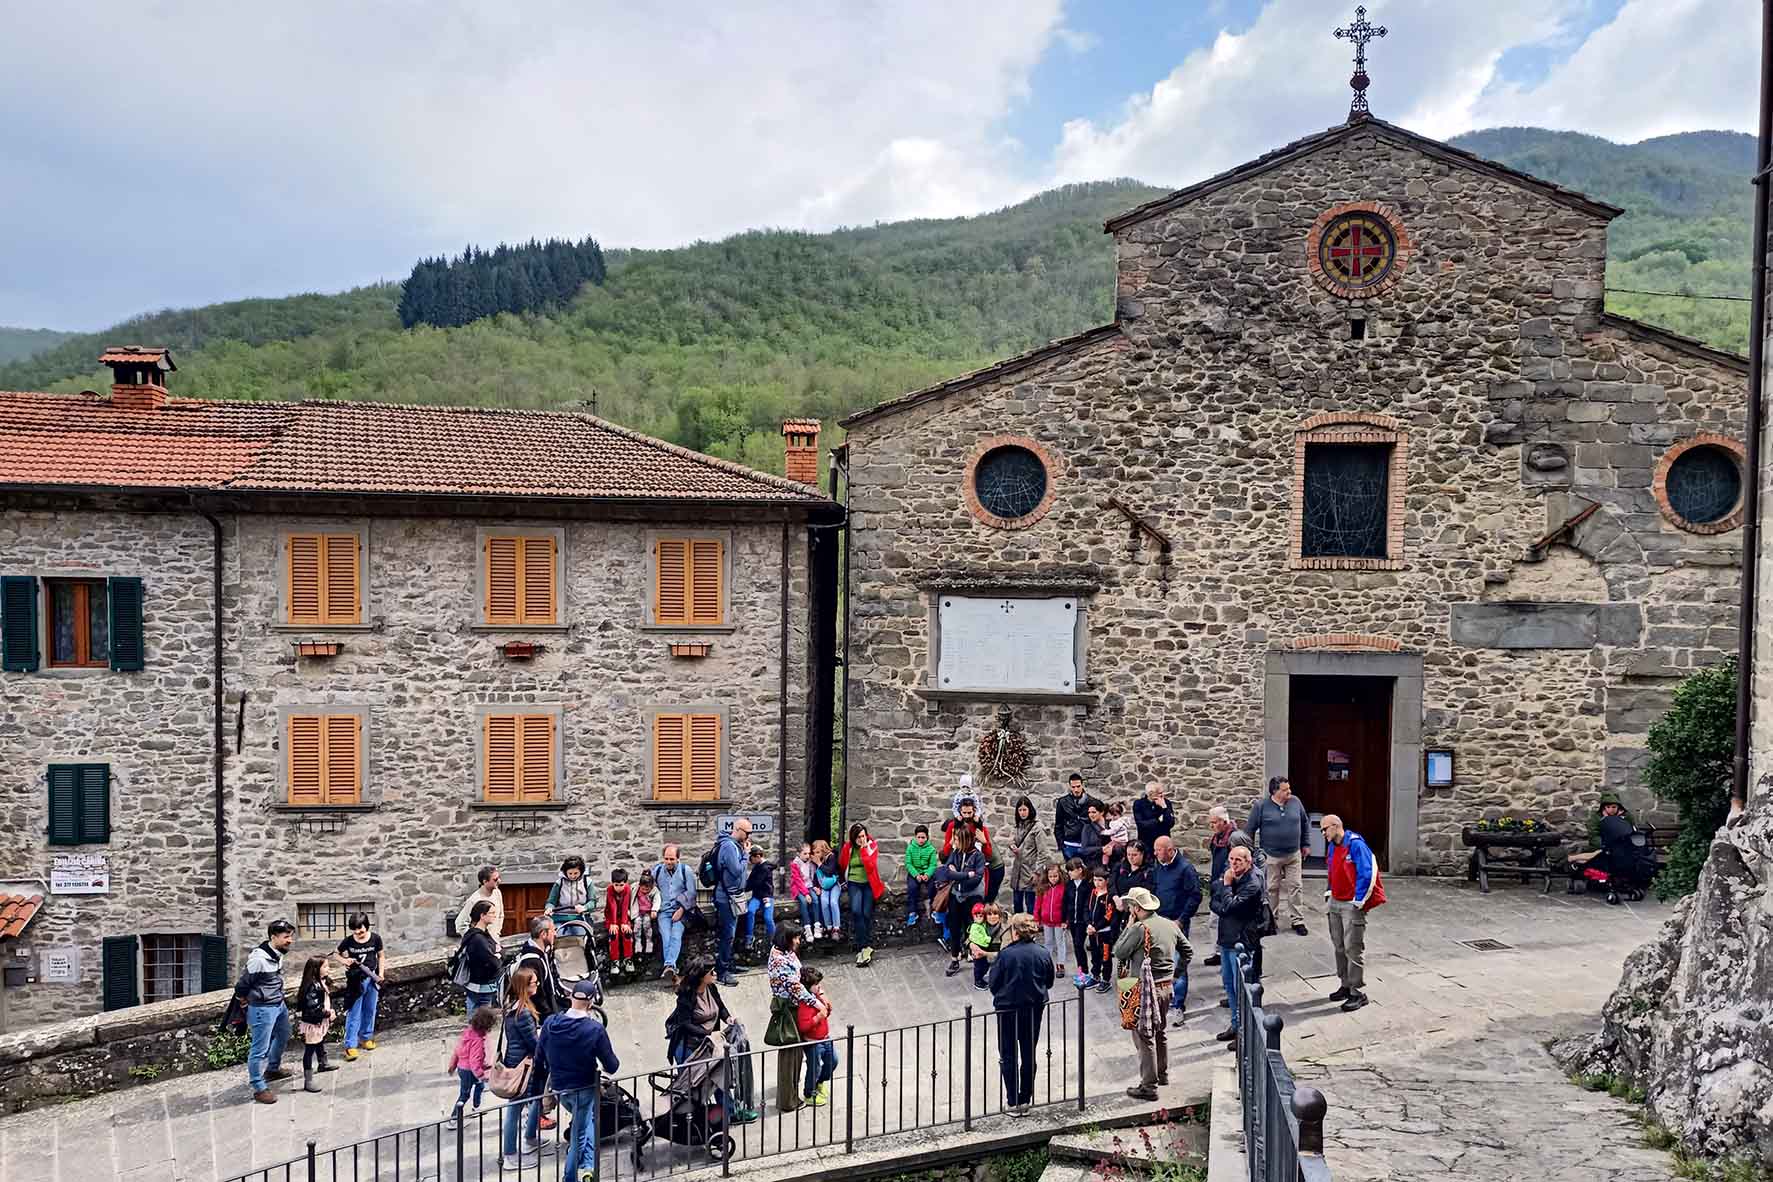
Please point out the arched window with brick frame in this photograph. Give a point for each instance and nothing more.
(1349, 478)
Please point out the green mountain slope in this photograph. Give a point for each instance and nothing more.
(16, 344)
(712, 344)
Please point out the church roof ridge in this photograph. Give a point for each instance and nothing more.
(1674, 340)
(1008, 365)
(1311, 143)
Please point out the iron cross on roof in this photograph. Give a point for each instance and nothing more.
(1360, 32)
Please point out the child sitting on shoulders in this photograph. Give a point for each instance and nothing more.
(1118, 826)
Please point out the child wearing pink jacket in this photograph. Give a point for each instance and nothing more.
(468, 1060)
(800, 887)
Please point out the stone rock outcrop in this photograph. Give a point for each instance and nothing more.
(1691, 1022)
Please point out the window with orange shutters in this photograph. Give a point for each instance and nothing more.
(325, 759)
(324, 584)
(520, 580)
(519, 758)
(688, 588)
(686, 757)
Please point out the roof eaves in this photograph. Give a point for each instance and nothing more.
(779, 483)
(1311, 143)
(1674, 340)
(1009, 365)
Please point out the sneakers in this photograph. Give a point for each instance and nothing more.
(265, 1097)
(350, 1054)
(1299, 929)
(865, 957)
(455, 1118)
(1355, 1001)
(518, 1163)
(980, 985)
(953, 968)
(1180, 1020)
(1101, 987)
(547, 1122)
(1212, 960)
(368, 1044)
(813, 932)
(1083, 980)
(533, 1149)
(824, 1092)
(1059, 971)
(745, 1116)
(1341, 993)
(1229, 1034)
(815, 1100)
(911, 921)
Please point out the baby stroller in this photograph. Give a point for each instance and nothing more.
(575, 952)
(618, 1109)
(694, 1115)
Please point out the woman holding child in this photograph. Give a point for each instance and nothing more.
(963, 871)
(787, 995)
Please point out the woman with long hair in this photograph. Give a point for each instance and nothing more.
(522, 1025)
(699, 1011)
(964, 872)
(787, 994)
(1028, 857)
(859, 861)
(827, 889)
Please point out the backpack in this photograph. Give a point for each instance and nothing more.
(457, 964)
(709, 870)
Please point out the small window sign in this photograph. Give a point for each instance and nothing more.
(1440, 767)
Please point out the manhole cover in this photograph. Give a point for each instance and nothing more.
(1486, 945)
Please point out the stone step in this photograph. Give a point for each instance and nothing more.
(1139, 1148)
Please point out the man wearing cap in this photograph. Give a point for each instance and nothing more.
(572, 1046)
(1354, 890)
(1149, 934)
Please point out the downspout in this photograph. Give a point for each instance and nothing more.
(221, 815)
(1751, 497)
(840, 461)
(782, 745)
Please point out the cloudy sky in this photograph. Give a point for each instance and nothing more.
(176, 152)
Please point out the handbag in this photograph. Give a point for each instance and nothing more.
(1129, 991)
(783, 1030)
(939, 900)
(508, 1083)
(1266, 925)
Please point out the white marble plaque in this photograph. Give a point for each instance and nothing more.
(1027, 645)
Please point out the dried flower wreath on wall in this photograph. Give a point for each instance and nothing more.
(1003, 751)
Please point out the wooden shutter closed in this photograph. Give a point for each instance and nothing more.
(670, 781)
(343, 600)
(671, 582)
(215, 963)
(538, 580)
(307, 760)
(705, 580)
(535, 757)
(128, 645)
(501, 759)
(95, 801)
(501, 581)
(704, 757)
(343, 734)
(64, 804)
(120, 956)
(306, 606)
(18, 624)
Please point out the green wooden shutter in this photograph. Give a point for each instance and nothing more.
(95, 801)
(18, 624)
(122, 989)
(215, 963)
(64, 804)
(128, 645)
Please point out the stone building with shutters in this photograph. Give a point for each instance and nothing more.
(448, 637)
(1361, 486)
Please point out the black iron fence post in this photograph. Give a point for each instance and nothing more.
(1309, 1106)
(967, 1072)
(726, 1076)
(313, 1170)
(461, 1135)
(849, 1088)
(1080, 1048)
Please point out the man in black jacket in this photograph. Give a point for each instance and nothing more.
(1237, 901)
(1070, 815)
(1019, 980)
(267, 1017)
(537, 955)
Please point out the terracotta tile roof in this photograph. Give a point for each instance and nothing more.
(85, 441)
(16, 914)
(124, 354)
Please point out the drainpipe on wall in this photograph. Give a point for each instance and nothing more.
(840, 462)
(782, 744)
(217, 754)
(1751, 497)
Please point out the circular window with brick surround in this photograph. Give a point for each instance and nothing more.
(1698, 484)
(1009, 482)
(1357, 250)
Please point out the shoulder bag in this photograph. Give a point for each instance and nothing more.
(508, 1083)
(1129, 990)
(783, 1030)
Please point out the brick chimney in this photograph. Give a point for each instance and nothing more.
(138, 376)
(803, 450)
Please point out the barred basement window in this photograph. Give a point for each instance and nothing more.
(172, 966)
(1704, 485)
(1347, 495)
(329, 921)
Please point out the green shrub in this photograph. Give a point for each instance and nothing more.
(1691, 752)
(227, 1049)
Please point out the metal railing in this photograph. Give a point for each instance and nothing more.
(1283, 1121)
(887, 1082)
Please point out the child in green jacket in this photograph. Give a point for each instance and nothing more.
(920, 867)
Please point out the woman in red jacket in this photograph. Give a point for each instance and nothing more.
(859, 863)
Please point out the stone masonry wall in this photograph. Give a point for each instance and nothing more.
(1492, 354)
(153, 728)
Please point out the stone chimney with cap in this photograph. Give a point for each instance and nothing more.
(802, 464)
(138, 376)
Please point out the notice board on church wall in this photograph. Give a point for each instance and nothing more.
(1014, 643)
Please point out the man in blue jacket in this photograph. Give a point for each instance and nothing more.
(572, 1046)
(1354, 891)
(1177, 886)
(731, 869)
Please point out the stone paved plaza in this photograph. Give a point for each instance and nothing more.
(1444, 1067)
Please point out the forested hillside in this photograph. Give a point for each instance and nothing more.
(714, 343)
(19, 343)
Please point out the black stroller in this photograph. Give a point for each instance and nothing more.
(694, 1115)
(618, 1109)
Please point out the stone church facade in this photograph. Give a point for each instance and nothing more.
(1361, 486)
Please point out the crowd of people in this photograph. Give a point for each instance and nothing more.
(1105, 887)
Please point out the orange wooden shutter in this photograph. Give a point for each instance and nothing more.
(501, 758)
(535, 779)
(304, 579)
(344, 754)
(705, 579)
(306, 759)
(704, 757)
(538, 580)
(669, 779)
(501, 580)
(671, 586)
(343, 599)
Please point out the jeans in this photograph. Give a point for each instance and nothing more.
(529, 1115)
(670, 937)
(821, 1065)
(861, 915)
(360, 1019)
(829, 908)
(767, 905)
(726, 920)
(1018, 1031)
(1073, 849)
(474, 999)
(805, 903)
(916, 892)
(470, 1085)
(1228, 978)
(581, 1154)
(270, 1031)
(1179, 991)
(1021, 902)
